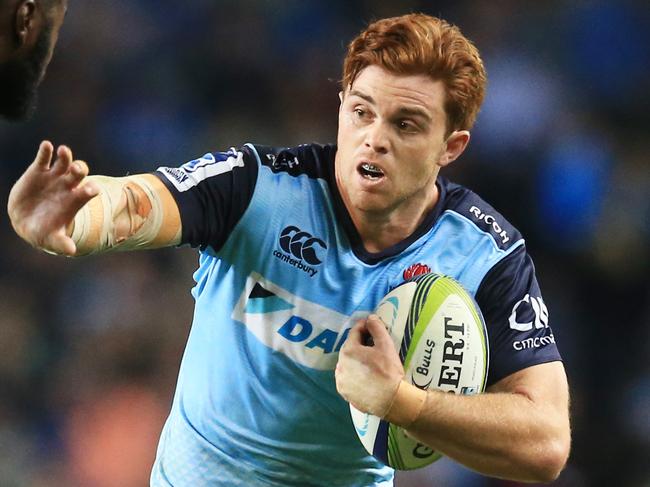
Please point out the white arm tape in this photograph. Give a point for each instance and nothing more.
(81, 228)
(126, 215)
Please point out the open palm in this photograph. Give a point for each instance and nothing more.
(43, 202)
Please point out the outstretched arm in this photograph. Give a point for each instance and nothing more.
(55, 207)
(519, 429)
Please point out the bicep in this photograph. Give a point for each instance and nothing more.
(519, 329)
(211, 193)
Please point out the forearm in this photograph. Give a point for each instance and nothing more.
(133, 212)
(498, 434)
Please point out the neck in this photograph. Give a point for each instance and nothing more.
(380, 230)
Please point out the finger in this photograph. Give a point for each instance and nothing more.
(73, 202)
(79, 168)
(44, 155)
(82, 195)
(378, 331)
(78, 171)
(357, 333)
(63, 160)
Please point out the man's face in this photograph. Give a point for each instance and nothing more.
(391, 138)
(23, 72)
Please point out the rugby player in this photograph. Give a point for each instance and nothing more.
(297, 246)
(29, 30)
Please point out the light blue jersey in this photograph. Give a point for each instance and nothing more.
(282, 278)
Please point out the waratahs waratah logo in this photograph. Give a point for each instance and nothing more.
(416, 270)
(300, 248)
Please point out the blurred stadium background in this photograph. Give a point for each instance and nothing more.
(89, 349)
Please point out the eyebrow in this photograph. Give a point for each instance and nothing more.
(415, 112)
(408, 111)
(368, 98)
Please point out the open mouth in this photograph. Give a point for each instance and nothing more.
(370, 171)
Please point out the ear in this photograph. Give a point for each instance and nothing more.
(454, 146)
(25, 21)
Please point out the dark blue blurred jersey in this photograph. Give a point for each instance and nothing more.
(283, 275)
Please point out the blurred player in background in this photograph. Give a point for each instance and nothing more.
(297, 246)
(28, 33)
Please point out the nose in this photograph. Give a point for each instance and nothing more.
(377, 137)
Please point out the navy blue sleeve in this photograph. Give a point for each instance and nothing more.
(516, 317)
(212, 194)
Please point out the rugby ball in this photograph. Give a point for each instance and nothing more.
(439, 333)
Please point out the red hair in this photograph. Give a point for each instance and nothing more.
(421, 44)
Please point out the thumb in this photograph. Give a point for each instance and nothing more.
(60, 244)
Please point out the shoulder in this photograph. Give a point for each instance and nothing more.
(211, 168)
(484, 218)
(312, 160)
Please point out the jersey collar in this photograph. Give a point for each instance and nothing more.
(356, 243)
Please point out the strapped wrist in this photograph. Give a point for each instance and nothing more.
(128, 213)
(406, 406)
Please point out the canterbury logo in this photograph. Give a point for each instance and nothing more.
(301, 245)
